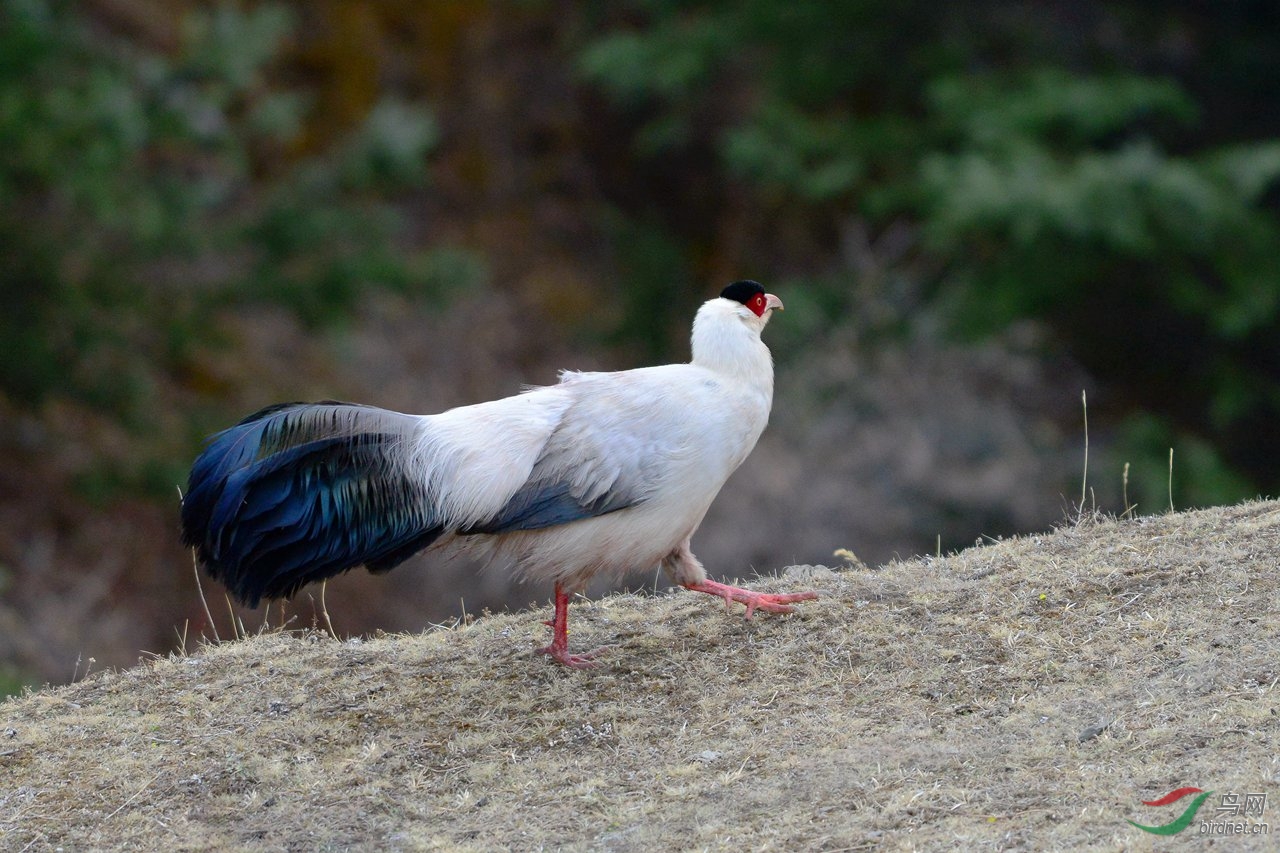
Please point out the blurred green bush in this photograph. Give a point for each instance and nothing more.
(141, 191)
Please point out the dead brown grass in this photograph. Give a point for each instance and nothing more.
(1021, 695)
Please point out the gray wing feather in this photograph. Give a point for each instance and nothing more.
(605, 455)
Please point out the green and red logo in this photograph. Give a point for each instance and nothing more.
(1183, 820)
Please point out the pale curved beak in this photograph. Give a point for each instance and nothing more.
(771, 301)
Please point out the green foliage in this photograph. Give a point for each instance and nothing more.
(1062, 110)
(389, 150)
(784, 151)
(1115, 244)
(11, 683)
(667, 62)
(656, 282)
(140, 191)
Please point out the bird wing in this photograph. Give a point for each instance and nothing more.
(604, 453)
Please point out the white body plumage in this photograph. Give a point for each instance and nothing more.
(669, 435)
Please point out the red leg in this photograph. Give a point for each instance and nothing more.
(768, 602)
(559, 648)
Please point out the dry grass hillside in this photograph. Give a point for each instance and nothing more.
(1024, 694)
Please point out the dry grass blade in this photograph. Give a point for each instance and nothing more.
(1084, 478)
(204, 602)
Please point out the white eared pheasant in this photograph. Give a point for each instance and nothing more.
(603, 473)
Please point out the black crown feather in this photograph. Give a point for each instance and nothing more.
(742, 291)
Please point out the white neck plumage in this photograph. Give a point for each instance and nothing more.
(726, 339)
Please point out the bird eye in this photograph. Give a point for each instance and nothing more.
(757, 304)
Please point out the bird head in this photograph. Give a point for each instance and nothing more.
(726, 331)
(751, 295)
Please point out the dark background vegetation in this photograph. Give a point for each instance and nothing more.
(972, 211)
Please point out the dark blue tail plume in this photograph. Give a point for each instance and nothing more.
(301, 492)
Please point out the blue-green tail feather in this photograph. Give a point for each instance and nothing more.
(302, 492)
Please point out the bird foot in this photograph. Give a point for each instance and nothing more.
(766, 601)
(559, 648)
(561, 654)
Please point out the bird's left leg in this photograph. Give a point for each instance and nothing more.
(559, 624)
(686, 570)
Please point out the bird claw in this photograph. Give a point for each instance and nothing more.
(769, 602)
(586, 660)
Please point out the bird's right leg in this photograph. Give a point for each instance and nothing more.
(559, 624)
(686, 570)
